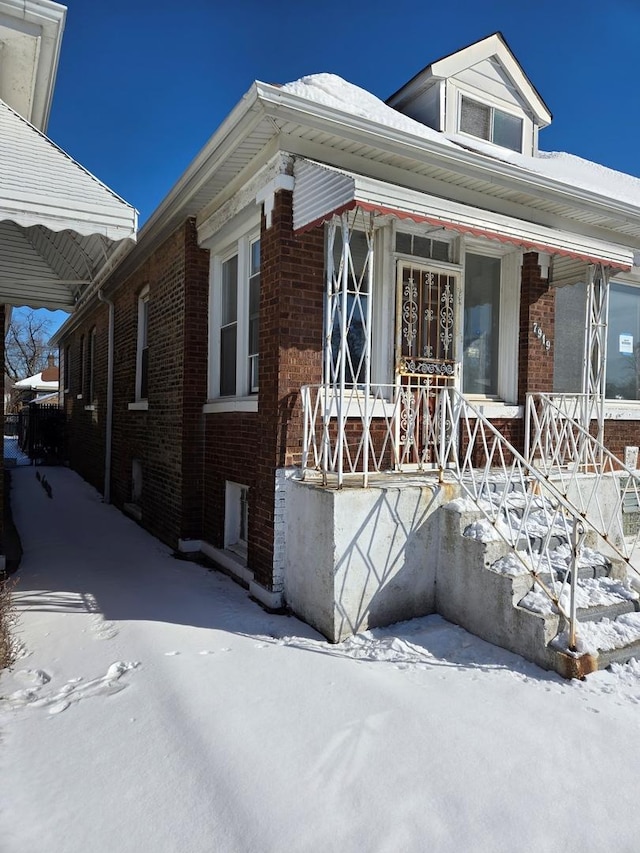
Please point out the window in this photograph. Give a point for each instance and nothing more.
(490, 123)
(254, 313)
(83, 372)
(236, 520)
(142, 351)
(66, 355)
(622, 380)
(423, 247)
(237, 304)
(229, 327)
(481, 325)
(92, 364)
(357, 297)
(623, 343)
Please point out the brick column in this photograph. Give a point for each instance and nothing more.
(291, 328)
(537, 309)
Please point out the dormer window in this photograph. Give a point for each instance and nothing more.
(494, 125)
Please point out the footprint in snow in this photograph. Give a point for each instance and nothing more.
(58, 700)
(171, 654)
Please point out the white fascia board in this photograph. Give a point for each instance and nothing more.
(49, 18)
(289, 107)
(324, 190)
(238, 124)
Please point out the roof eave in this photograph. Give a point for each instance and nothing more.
(285, 105)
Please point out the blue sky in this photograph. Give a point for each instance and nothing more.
(142, 84)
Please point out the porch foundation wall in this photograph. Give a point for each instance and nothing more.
(360, 558)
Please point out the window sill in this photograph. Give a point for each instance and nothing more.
(622, 410)
(231, 404)
(133, 511)
(78, 396)
(90, 408)
(495, 408)
(138, 406)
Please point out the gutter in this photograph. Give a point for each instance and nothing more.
(104, 272)
(109, 416)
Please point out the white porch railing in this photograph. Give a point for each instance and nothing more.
(599, 485)
(535, 503)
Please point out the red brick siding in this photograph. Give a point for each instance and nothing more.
(87, 426)
(167, 438)
(248, 448)
(537, 305)
(621, 434)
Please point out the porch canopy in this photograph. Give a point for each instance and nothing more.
(59, 226)
(321, 191)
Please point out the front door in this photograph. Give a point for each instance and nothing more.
(425, 354)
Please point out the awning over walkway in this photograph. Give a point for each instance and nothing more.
(59, 225)
(322, 191)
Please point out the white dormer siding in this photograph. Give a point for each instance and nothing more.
(479, 92)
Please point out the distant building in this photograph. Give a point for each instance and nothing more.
(41, 387)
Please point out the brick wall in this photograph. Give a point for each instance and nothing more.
(85, 416)
(537, 306)
(167, 439)
(248, 448)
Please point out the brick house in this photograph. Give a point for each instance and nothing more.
(60, 228)
(326, 274)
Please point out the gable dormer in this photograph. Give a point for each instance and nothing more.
(479, 92)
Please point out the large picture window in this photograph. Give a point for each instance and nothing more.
(623, 343)
(481, 325)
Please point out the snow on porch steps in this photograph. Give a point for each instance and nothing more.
(497, 598)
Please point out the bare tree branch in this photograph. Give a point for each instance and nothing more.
(26, 345)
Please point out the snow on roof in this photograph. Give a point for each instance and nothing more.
(36, 383)
(332, 91)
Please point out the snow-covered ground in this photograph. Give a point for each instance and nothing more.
(154, 707)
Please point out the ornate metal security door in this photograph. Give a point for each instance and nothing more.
(425, 347)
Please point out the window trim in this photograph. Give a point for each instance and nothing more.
(492, 111)
(239, 244)
(142, 338)
(91, 366)
(509, 321)
(614, 403)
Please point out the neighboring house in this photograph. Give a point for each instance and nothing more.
(41, 387)
(60, 228)
(326, 278)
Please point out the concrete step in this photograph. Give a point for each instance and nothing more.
(611, 640)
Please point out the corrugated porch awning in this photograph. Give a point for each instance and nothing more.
(59, 225)
(321, 192)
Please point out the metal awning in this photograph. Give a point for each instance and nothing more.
(59, 225)
(321, 191)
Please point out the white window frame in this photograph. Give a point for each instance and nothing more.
(245, 398)
(626, 280)
(142, 343)
(457, 90)
(509, 323)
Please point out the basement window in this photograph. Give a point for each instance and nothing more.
(490, 123)
(236, 519)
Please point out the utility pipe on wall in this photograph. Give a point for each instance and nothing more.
(109, 415)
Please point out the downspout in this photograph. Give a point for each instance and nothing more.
(109, 418)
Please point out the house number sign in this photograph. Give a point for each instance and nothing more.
(544, 340)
